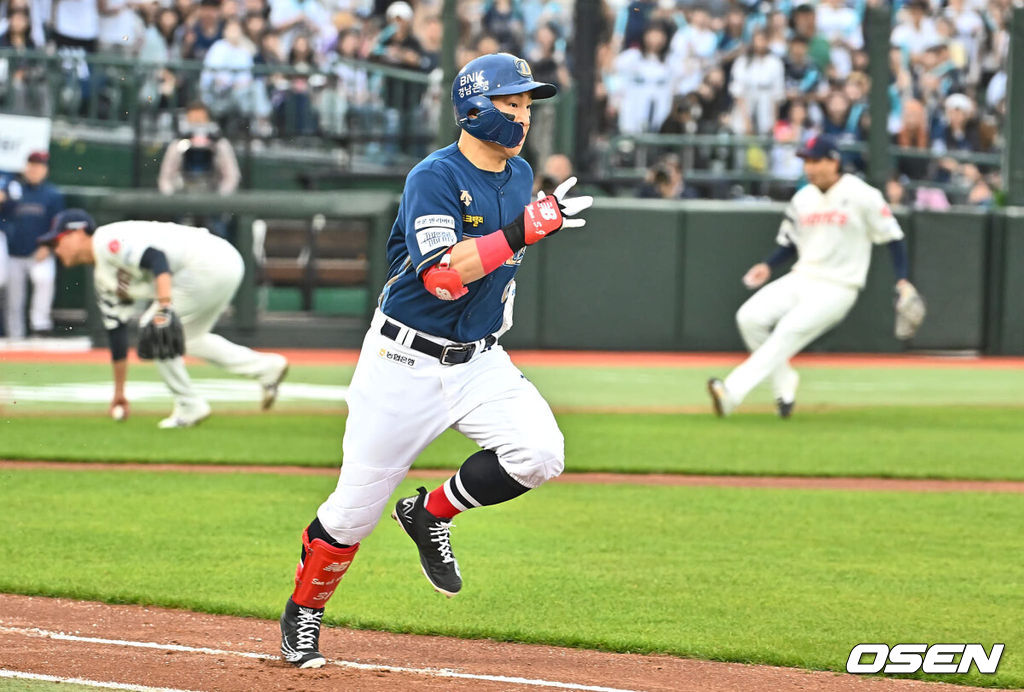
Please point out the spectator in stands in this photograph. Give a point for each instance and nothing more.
(715, 102)
(255, 26)
(802, 76)
(24, 88)
(665, 181)
(915, 32)
(27, 206)
(732, 41)
(397, 45)
(120, 28)
(840, 26)
(896, 190)
(294, 114)
(804, 21)
(171, 32)
(955, 131)
(226, 82)
(292, 18)
(981, 193)
(682, 118)
(632, 21)
(431, 36)
(791, 132)
(643, 95)
(938, 76)
(548, 66)
(546, 60)
(203, 28)
(913, 133)
(777, 30)
(76, 24)
(504, 21)
(556, 170)
(970, 30)
(692, 51)
(757, 83)
(200, 161)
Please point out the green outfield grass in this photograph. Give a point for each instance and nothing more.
(785, 577)
(919, 442)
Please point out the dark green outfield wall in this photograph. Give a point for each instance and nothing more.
(654, 275)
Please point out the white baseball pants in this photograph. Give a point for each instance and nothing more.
(400, 400)
(777, 322)
(43, 275)
(200, 293)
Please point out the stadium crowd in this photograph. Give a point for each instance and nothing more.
(782, 69)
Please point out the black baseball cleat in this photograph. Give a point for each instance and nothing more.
(785, 409)
(432, 537)
(300, 635)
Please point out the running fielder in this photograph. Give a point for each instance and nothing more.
(829, 226)
(188, 277)
(430, 360)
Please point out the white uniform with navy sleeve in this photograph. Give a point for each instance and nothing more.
(400, 398)
(833, 233)
(205, 270)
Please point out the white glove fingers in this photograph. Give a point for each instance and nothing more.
(563, 188)
(574, 223)
(574, 205)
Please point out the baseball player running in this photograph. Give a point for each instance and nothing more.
(430, 360)
(188, 277)
(829, 226)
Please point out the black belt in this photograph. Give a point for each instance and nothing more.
(448, 354)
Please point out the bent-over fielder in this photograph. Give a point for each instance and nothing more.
(188, 276)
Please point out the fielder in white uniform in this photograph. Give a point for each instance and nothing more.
(830, 225)
(165, 265)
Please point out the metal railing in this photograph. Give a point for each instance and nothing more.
(745, 160)
(369, 107)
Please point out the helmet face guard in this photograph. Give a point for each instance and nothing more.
(501, 74)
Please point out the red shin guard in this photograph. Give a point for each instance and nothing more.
(318, 575)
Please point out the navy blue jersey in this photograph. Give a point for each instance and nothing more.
(26, 214)
(446, 199)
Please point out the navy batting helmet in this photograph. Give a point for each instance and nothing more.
(66, 221)
(500, 74)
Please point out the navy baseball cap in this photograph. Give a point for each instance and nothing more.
(820, 147)
(65, 222)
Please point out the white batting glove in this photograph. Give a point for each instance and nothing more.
(570, 206)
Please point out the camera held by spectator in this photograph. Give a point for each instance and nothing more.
(201, 160)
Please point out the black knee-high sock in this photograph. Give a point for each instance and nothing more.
(480, 481)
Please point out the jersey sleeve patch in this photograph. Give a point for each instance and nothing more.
(431, 239)
(434, 221)
(114, 246)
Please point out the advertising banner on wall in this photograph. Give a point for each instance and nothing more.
(20, 135)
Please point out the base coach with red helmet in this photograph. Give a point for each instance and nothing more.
(431, 359)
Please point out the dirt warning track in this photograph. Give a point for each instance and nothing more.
(180, 650)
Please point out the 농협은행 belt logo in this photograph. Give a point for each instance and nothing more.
(399, 358)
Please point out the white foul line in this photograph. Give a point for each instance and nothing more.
(434, 672)
(17, 674)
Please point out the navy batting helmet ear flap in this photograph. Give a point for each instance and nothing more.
(500, 74)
